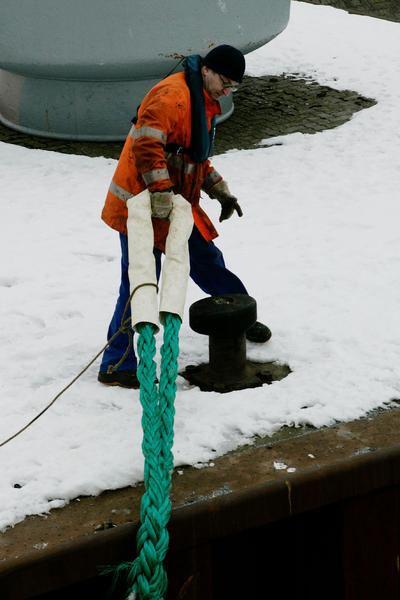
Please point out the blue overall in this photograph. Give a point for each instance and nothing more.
(208, 271)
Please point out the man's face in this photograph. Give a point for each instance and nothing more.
(217, 85)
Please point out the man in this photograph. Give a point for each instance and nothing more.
(167, 151)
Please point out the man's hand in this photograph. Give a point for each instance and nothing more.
(161, 204)
(229, 203)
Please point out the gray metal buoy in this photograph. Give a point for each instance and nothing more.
(225, 319)
(78, 70)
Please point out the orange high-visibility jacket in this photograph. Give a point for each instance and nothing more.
(164, 117)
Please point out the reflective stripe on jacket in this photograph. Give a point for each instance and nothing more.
(164, 117)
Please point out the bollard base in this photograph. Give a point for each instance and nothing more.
(253, 375)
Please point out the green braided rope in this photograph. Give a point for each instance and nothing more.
(167, 390)
(146, 576)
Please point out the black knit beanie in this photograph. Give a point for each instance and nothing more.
(226, 60)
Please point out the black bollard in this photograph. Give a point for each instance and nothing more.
(225, 319)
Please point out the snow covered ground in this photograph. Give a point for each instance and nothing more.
(318, 247)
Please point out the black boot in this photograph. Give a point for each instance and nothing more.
(258, 333)
(126, 379)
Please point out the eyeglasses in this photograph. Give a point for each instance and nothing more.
(233, 87)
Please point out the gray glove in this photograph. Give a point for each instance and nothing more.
(229, 203)
(161, 204)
